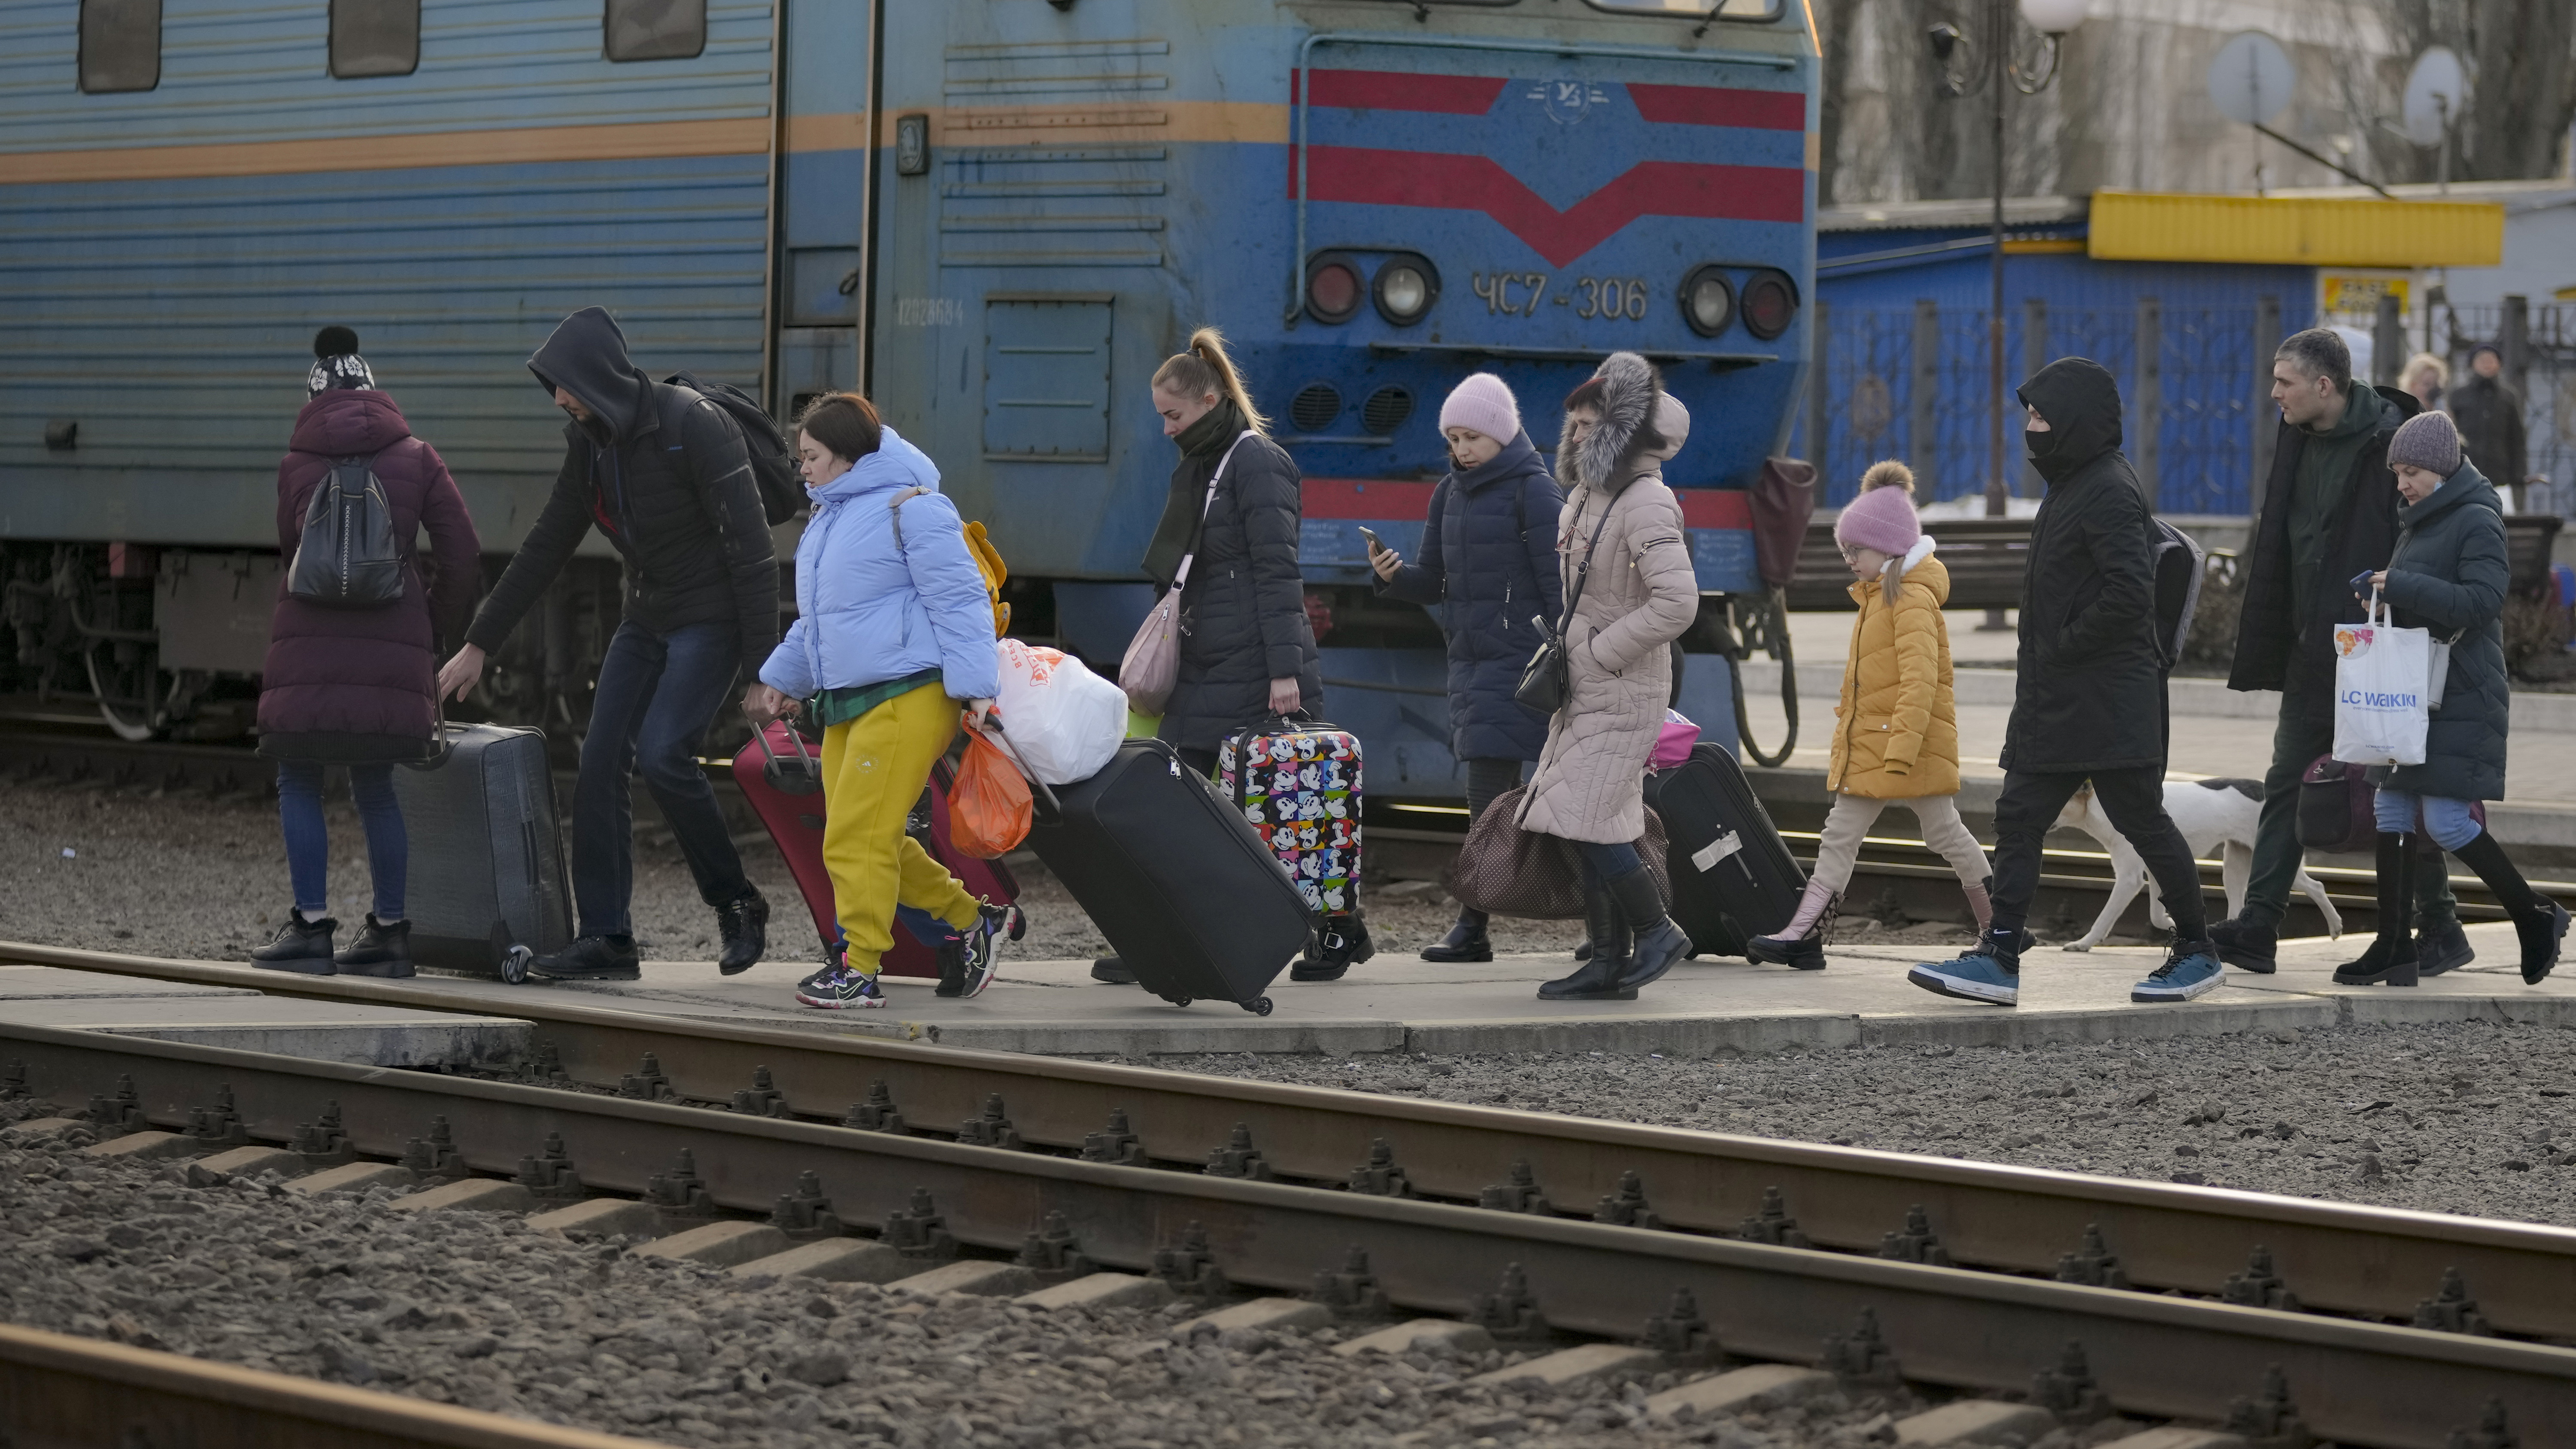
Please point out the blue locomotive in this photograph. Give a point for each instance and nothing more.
(997, 217)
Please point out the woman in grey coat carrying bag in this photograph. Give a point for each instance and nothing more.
(2449, 575)
(1630, 592)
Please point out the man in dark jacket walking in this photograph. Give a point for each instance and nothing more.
(2329, 513)
(2490, 417)
(2088, 693)
(668, 479)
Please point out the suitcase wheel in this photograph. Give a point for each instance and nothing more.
(514, 965)
(1258, 1006)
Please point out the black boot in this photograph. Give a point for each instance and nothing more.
(2390, 958)
(2247, 946)
(380, 950)
(1340, 943)
(1110, 971)
(1597, 979)
(2540, 923)
(744, 925)
(1658, 942)
(299, 945)
(1466, 940)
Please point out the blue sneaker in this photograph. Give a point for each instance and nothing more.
(1988, 972)
(837, 987)
(2191, 972)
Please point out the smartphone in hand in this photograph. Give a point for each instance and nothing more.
(2361, 581)
(1371, 535)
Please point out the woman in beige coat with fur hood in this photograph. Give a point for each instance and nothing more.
(1621, 541)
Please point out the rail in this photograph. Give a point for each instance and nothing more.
(2354, 1382)
(57, 1390)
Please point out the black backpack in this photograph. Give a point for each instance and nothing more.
(348, 557)
(773, 465)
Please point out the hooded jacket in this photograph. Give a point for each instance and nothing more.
(2272, 650)
(1488, 566)
(2449, 574)
(2090, 687)
(871, 609)
(1243, 608)
(1897, 728)
(1639, 595)
(2491, 428)
(350, 685)
(672, 488)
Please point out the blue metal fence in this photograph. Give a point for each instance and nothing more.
(1915, 383)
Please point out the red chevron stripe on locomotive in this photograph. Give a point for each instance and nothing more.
(1448, 182)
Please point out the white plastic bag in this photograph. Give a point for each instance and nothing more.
(2381, 675)
(1065, 721)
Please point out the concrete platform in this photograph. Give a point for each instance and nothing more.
(244, 1019)
(1399, 1003)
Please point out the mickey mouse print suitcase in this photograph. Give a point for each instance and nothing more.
(1298, 782)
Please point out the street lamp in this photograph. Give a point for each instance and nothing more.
(2052, 19)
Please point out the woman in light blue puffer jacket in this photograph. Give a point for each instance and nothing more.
(893, 631)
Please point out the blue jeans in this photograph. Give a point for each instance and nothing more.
(657, 692)
(308, 839)
(1607, 862)
(2448, 821)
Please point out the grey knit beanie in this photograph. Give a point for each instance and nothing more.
(2427, 441)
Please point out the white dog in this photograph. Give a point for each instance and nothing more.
(2208, 812)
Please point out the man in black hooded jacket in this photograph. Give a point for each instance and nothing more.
(668, 479)
(2088, 693)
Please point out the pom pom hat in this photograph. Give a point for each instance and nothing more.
(337, 363)
(1882, 517)
(1484, 404)
(2427, 441)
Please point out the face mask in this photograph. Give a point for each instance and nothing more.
(2040, 444)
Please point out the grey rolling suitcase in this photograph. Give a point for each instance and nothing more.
(487, 891)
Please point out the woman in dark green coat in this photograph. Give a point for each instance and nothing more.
(2449, 574)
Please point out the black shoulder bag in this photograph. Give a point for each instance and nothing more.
(1548, 680)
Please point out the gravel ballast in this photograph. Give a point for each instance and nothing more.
(2470, 1118)
(483, 1311)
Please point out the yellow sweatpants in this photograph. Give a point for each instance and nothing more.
(874, 768)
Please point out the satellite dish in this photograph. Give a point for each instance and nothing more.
(2437, 93)
(2251, 78)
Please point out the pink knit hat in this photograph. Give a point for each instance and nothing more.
(1882, 517)
(1483, 403)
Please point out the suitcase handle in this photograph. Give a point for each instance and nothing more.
(1042, 801)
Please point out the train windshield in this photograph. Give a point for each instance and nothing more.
(1721, 9)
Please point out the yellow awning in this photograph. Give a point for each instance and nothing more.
(2311, 231)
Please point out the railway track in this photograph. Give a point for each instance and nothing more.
(2179, 1342)
(60, 1392)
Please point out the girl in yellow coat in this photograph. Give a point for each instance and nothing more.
(1896, 733)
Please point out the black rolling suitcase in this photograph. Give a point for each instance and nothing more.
(1175, 877)
(486, 891)
(1733, 878)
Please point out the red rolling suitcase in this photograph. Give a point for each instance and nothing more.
(779, 774)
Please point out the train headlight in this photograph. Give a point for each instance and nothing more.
(1333, 288)
(1770, 304)
(1405, 289)
(1708, 301)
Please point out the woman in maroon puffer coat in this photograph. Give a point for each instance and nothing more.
(352, 686)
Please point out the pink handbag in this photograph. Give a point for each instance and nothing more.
(1673, 743)
(1152, 664)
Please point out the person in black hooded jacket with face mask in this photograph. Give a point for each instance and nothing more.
(667, 477)
(2088, 692)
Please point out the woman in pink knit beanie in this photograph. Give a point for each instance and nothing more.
(1896, 732)
(1487, 571)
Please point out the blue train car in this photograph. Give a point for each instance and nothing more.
(997, 218)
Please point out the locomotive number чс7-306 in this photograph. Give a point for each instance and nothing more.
(1518, 294)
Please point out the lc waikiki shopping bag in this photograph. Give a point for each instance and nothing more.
(2381, 675)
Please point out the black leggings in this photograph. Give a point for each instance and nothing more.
(1487, 779)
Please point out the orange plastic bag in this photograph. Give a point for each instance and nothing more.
(988, 808)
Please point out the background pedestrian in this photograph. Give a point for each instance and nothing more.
(2490, 420)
